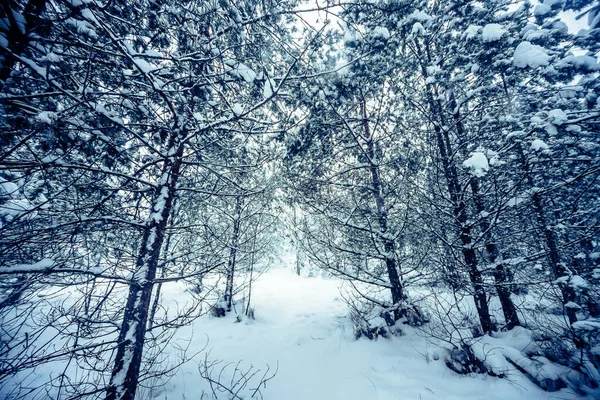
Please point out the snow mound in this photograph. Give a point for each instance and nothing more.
(244, 72)
(585, 62)
(418, 29)
(477, 163)
(530, 55)
(472, 31)
(492, 32)
(47, 117)
(381, 32)
(268, 88)
(541, 9)
(557, 116)
(237, 109)
(538, 144)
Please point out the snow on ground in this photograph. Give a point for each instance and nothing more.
(301, 325)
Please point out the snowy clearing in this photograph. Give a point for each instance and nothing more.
(301, 325)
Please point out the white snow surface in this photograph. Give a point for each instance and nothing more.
(268, 88)
(420, 16)
(477, 163)
(530, 55)
(541, 9)
(586, 62)
(237, 109)
(538, 144)
(418, 29)
(472, 31)
(143, 65)
(492, 32)
(557, 116)
(301, 325)
(47, 117)
(382, 32)
(41, 265)
(7, 188)
(244, 72)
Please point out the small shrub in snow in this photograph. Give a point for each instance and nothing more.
(234, 380)
(372, 321)
(218, 311)
(412, 315)
(463, 361)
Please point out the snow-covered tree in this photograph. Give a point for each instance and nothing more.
(123, 114)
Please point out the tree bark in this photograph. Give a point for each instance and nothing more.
(500, 274)
(156, 302)
(233, 254)
(298, 261)
(252, 256)
(125, 374)
(557, 268)
(583, 267)
(459, 210)
(389, 246)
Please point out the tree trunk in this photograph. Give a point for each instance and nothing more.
(382, 216)
(156, 302)
(557, 268)
(126, 370)
(298, 261)
(233, 253)
(479, 295)
(500, 274)
(585, 266)
(459, 211)
(252, 255)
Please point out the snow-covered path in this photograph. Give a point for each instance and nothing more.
(301, 326)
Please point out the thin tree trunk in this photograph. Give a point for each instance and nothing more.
(233, 253)
(298, 263)
(382, 216)
(459, 211)
(557, 268)
(464, 230)
(156, 301)
(252, 255)
(250, 283)
(500, 274)
(126, 370)
(586, 265)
